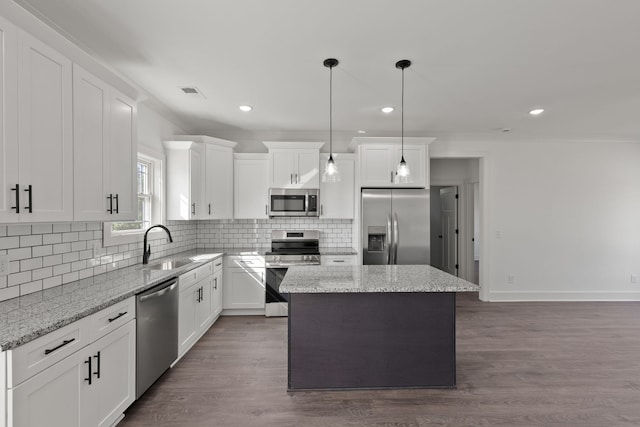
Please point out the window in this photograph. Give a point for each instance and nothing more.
(149, 189)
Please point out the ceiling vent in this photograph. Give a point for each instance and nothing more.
(191, 91)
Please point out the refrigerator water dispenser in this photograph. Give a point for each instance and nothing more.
(377, 238)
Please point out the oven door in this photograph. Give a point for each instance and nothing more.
(276, 303)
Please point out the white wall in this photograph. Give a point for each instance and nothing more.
(562, 217)
(153, 128)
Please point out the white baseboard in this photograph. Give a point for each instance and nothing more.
(562, 296)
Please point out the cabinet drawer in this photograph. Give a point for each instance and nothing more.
(217, 264)
(338, 259)
(244, 261)
(112, 318)
(39, 354)
(195, 275)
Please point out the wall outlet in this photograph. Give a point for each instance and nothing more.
(511, 279)
(4, 265)
(634, 278)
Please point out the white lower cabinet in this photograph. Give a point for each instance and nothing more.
(91, 387)
(198, 307)
(244, 285)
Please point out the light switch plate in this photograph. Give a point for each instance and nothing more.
(4, 265)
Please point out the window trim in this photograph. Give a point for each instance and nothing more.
(158, 159)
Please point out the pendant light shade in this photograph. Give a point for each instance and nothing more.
(331, 173)
(403, 174)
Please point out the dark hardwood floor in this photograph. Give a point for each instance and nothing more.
(519, 364)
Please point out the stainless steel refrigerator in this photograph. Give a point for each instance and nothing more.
(395, 226)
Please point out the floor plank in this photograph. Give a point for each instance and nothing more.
(518, 364)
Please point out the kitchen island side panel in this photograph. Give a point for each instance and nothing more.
(371, 340)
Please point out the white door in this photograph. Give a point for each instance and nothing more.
(116, 385)
(336, 198)
(187, 318)
(56, 397)
(195, 169)
(8, 121)
(45, 132)
(91, 146)
(123, 156)
(449, 217)
(218, 182)
(283, 169)
(204, 314)
(250, 189)
(307, 173)
(245, 289)
(216, 294)
(376, 169)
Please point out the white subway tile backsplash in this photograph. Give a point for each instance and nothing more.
(46, 255)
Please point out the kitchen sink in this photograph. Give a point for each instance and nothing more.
(169, 265)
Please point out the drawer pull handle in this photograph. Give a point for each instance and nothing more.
(218, 264)
(65, 342)
(117, 317)
(338, 260)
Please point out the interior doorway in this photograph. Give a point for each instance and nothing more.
(445, 229)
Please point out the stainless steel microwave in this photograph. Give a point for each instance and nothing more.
(293, 202)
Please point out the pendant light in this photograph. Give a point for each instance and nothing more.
(331, 173)
(403, 175)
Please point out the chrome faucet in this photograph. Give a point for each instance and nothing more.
(146, 251)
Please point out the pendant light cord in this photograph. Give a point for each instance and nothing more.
(330, 111)
(402, 116)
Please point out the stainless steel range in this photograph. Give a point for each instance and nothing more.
(288, 249)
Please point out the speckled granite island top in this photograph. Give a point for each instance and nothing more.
(372, 278)
(31, 316)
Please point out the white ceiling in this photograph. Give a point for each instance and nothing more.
(477, 66)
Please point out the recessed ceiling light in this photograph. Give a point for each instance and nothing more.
(246, 108)
(536, 112)
(362, 131)
(387, 110)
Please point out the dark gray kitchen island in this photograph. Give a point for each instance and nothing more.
(373, 326)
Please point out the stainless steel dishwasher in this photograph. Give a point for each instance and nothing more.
(156, 333)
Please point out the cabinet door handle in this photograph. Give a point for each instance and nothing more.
(88, 361)
(209, 208)
(215, 283)
(391, 180)
(193, 208)
(321, 210)
(17, 206)
(266, 209)
(291, 179)
(297, 179)
(117, 317)
(117, 206)
(110, 197)
(65, 342)
(97, 372)
(30, 207)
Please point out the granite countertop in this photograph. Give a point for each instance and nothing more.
(28, 317)
(338, 251)
(372, 278)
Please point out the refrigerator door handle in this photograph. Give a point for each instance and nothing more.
(396, 238)
(389, 242)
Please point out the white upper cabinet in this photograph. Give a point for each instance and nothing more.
(379, 158)
(45, 129)
(8, 121)
(218, 182)
(337, 198)
(294, 164)
(104, 150)
(251, 188)
(199, 177)
(184, 180)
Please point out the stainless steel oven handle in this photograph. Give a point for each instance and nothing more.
(306, 203)
(159, 293)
